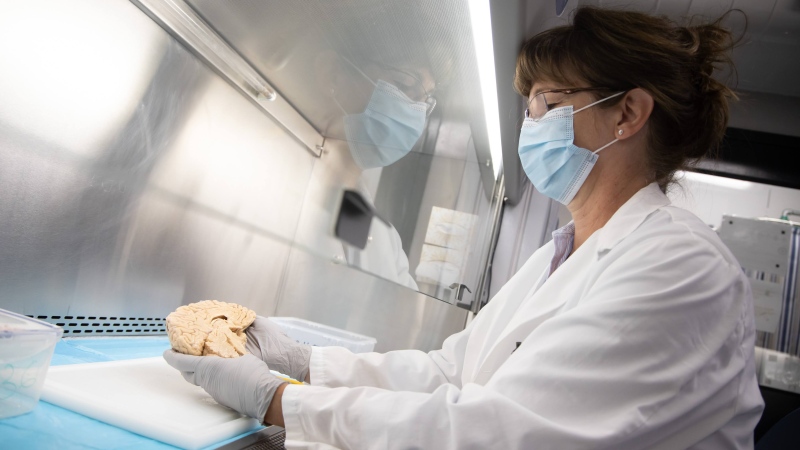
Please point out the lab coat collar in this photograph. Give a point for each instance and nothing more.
(630, 215)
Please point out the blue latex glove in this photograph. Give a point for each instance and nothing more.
(282, 353)
(244, 384)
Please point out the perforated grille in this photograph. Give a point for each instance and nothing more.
(106, 325)
(270, 438)
(274, 442)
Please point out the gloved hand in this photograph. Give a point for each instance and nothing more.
(243, 383)
(268, 342)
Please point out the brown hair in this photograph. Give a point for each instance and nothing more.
(622, 50)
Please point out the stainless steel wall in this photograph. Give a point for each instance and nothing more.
(134, 179)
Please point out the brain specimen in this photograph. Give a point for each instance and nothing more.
(210, 327)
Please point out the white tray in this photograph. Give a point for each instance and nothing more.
(313, 333)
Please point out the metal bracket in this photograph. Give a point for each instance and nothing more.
(355, 218)
(460, 295)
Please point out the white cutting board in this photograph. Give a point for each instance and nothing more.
(145, 396)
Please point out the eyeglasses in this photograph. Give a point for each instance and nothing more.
(545, 101)
(411, 85)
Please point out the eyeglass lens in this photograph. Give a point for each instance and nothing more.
(412, 86)
(543, 102)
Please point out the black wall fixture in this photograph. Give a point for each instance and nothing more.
(354, 219)
(756, 156)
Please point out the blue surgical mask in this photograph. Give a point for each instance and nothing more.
(387, 129)
(555, 165)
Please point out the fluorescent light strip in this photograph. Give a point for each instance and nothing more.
(729, 183)
(480, 17)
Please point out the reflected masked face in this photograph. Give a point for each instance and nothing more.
(417, 84)
(394, 117)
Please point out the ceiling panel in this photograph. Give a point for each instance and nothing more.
(646, 6)
(673, 8)
(767, 59)
(710, 8)
(759, 14)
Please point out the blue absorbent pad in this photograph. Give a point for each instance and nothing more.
(51, 427)
(83, 350)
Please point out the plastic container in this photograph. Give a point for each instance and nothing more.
(312, 333)
(26, 346)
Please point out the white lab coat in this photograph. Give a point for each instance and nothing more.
(642, 339)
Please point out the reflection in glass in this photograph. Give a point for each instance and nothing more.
(381, 112)
(394, 88)
(446, 247)
(387, 129)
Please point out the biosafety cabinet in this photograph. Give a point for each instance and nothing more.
(155, 153)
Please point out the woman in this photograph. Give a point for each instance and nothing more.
(632, 329)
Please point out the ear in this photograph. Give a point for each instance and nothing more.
(328, 71)
(636, 107)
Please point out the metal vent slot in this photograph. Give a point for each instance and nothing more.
(106, 325)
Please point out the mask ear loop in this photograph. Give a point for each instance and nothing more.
(333, 96)
(592, 104)
(603, 147)
(360, 71)
(599, 101)
(376, 84)
(333, 91)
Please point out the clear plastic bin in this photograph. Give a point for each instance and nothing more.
(26, 346)
(312, 333)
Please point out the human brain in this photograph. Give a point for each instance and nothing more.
(210, 327)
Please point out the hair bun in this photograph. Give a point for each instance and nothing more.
(709, 46)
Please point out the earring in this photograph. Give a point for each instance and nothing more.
(620, 132)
